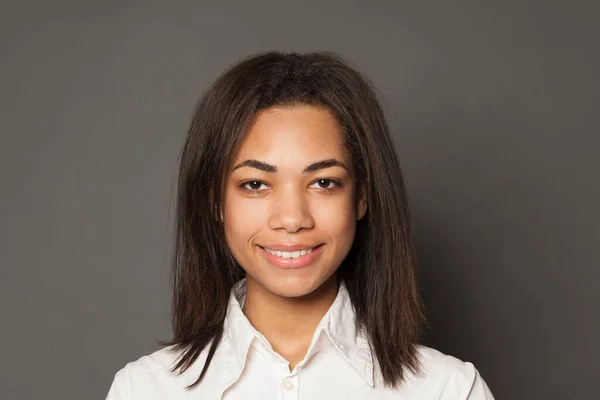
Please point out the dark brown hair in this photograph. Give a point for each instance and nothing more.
(380, 269)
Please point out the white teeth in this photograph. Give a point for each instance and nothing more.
(288, 254)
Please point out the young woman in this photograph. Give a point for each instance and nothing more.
(294, 272)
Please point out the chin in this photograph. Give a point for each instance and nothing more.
(295, 286)
(292, 288)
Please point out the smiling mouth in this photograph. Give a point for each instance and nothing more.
(290, 254)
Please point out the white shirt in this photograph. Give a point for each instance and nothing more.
(338, 365)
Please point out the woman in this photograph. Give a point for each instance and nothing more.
(295, 271)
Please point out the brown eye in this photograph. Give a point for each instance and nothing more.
(324, 183)
(252, 186)
(327, 184)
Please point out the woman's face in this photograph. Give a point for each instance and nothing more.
(289, 211)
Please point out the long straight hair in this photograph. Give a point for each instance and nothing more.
(380, 270)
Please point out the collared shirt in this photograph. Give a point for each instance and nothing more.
(337, 365)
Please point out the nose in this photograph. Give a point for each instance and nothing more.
(290, 211)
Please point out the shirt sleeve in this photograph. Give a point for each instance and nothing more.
(479, 389)
(118, 389)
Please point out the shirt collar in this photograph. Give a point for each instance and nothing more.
(338, 326)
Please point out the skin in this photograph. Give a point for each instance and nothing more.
(291, 206)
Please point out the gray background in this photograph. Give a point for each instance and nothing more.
(494, 108)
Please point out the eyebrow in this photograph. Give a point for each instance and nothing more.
(263, 166)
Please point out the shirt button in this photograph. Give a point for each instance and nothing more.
(288, 386)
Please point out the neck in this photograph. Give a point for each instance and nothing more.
(288, 323)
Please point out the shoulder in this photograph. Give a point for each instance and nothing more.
(434, 361)
(157, 362)
(141, 378)
(443, 376)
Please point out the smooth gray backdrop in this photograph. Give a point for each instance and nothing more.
(494, 107)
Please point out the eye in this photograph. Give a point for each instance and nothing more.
(327, 184)
(253, 186)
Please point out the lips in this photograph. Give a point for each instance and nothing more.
(290, 247)
(289, 252)
(292, 256)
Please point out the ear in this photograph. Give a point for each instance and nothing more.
(362, 203)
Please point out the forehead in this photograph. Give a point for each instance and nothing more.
(293, 137)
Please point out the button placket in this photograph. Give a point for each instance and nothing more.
(289, 387)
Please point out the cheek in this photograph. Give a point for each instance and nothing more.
(242, 219)
(338, 219)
